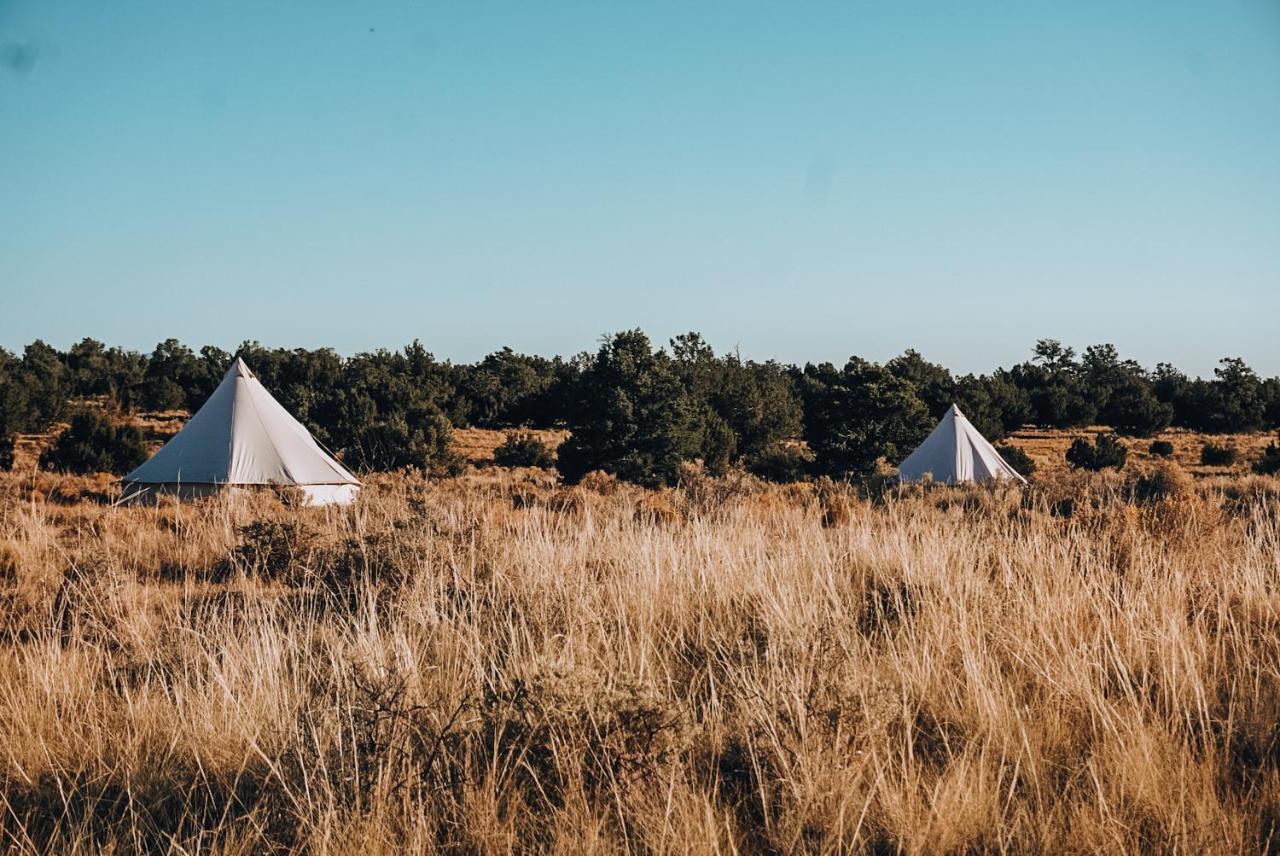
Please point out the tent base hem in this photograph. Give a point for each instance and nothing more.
(140, 493)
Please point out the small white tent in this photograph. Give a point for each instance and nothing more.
(240, 437)
(955, 452)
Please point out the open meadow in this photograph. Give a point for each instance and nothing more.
(639, 428)
(499, 663)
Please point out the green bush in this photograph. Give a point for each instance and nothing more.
(522, 449)
(719, 444)
(782, 463)
(95, 444)
(421, 438)
(1106, 452)
(1269, 463)
(1015, 457)
(1218, 455)
(1161, 448)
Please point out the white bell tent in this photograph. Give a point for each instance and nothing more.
(955, 452)
(242, 437)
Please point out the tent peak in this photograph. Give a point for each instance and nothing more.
(238, 369)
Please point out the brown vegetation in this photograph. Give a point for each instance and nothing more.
(476, 445)
(1048, 446)
(498, 663)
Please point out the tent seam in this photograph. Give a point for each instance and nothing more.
(284, 466)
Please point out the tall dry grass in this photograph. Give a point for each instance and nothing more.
(496, 664)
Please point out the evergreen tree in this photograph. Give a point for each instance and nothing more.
(993, 403)
(748, 407)
(1133, 409)
(40, 389)
(171, 378)
(502, 389)
(1055, 386)
(1240, 405)
(933, 383)
(632, 416)
(859, 414)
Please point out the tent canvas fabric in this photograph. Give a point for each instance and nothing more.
(242, 436)
(955, 452)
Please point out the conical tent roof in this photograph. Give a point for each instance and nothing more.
(956, 452)
(242, 436)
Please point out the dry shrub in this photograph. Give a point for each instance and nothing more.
(659, 508)
(837, 500)
(615, 730)
(102, 488)
(567, 500)
(1170, 506)
(1218, 454)
(702, 493)
(375, 561)
(798, 493)
(273, 549)
(888, 601)
(599, 482)
(1253, 497)
(1076, 495)
(9, 559)
(993, 499)
(1164, 482)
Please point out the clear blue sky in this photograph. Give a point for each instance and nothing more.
(802, 180)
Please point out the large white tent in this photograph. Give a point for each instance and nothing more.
(241, 437)
(955, 452)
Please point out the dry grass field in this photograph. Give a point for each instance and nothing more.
(496, 663)
(1048, 447)
(476, 445)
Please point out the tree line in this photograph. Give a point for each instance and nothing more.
(635, 410)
